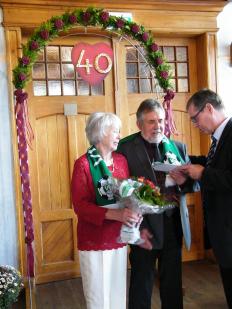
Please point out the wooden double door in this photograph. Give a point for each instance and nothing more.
(60, 139)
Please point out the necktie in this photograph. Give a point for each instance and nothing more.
(157, 154)
(209, 159)
(211, 151)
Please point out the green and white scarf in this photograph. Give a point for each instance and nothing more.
(170, 153)
(100, 175)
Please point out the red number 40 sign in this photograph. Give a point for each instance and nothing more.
(92, 62)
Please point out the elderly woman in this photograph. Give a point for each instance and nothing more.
(103, 260)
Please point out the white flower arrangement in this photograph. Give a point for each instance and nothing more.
(11, 283)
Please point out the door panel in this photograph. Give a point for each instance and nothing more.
(187, 133)
(59, 141)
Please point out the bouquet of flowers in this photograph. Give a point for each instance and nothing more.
(143, 197)
(11, 284)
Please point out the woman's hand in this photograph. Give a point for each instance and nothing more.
(129, 217)
(125, 215)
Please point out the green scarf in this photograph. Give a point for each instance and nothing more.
(170, 153)
(100, 175)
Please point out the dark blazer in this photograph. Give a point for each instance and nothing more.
(216, 183)
(140, 165)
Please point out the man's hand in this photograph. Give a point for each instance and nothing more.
(178, 175)
(146, 236)
(192, 170)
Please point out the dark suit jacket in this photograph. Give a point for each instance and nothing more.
(216, 184)
(139, 165)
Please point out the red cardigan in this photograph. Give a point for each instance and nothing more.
(94, 232)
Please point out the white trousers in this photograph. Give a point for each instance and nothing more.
(104, 275)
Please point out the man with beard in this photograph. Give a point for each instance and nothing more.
(163, 232)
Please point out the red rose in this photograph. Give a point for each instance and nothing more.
(34, 45)
(86, 16)
(44, 34)
(72, 19)
(145, 36)
(135, 29)
(120, 23)
(25, 60)
(104, 16)
(59, 23)
(159, 61)
(164, 74)
(154, 47)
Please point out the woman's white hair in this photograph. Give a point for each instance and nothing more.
(98, 124)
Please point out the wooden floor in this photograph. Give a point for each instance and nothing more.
(201, 282)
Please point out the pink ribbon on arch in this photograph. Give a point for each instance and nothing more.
(170, 127)
(21, 103)
(25, 136)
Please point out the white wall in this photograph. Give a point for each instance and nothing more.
(8, 226)
(224, 36)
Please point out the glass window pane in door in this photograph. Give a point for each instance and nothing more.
(39, 88)
(53, 70)
(38, 71)
(68, 71)
(66, 53)
(69, 87)
(132, 86)
(145, 85)
(82, 87)
(181, 53)
(97, 89)
(144, 70)
(54, 87)
(131, 54)
(52, 53)
(183, 85)
(169, 53)
(131, 70)
(182, 69)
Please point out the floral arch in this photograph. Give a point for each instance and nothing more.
(42, 35)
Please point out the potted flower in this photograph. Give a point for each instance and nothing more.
(11, 283)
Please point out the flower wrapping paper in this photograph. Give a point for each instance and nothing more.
(137, 195)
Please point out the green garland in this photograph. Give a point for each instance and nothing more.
(89, 17)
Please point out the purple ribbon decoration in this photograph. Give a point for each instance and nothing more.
(22, 130)
(170, 127)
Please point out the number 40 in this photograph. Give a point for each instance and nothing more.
(88, 65)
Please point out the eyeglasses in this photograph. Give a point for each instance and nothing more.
(194, 118)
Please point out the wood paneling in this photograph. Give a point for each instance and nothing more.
(176, 17)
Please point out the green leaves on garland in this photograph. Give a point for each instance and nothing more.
(90, 17)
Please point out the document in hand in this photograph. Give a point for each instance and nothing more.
(163, 167)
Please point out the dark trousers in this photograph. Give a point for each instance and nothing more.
(169, 271)
(226, 275)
